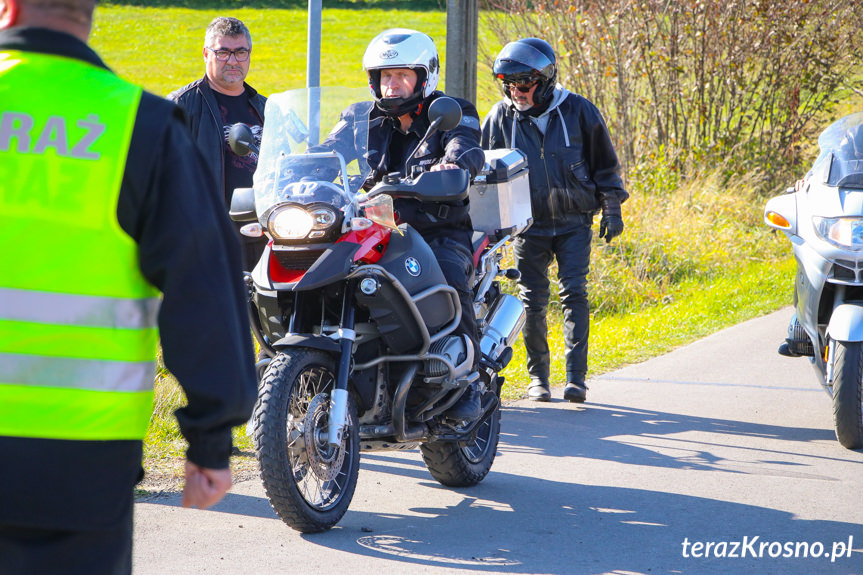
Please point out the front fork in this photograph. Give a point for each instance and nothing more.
(829, 354)
(339, 400)
(830, 350)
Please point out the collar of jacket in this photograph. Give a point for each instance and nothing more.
(420, 121)
(204, 86)
(45, 41)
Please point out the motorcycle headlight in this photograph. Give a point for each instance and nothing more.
(845, 233)
(290, 223)
(298, 222)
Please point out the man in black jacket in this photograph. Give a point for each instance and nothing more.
(403, 70)
(67, 505)
(574, 173)
(218, 101)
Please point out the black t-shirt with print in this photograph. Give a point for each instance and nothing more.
(238, 169)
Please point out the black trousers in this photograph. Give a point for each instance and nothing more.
(533, 256)
(456, 262)
(37, 551)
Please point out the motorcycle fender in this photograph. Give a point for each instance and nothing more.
(846, 323)
(333, 266)
(320, 342)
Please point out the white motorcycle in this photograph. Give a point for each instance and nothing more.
(823, 219)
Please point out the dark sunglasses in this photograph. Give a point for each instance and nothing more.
(523, 88)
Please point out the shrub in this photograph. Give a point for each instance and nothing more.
(699, 81)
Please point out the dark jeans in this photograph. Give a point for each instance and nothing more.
(456, 262)
(533, 256)
(35, 551)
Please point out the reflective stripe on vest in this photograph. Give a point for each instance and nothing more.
(77, 319)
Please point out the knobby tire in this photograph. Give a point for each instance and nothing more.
(288, 388)
(456, 466)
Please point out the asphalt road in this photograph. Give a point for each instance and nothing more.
(722, 443)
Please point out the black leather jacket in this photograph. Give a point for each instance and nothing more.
(205, 122)
(573, 165)
(459, 146)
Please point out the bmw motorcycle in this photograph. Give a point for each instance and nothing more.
(824, 221)
(356, 319)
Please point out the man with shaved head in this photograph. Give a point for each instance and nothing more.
(98, 260)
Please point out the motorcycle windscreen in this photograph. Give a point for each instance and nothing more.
(295, 122)
(840, 162)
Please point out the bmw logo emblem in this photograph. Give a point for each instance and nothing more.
(413, 266)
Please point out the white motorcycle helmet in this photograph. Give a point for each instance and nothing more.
(402, 48)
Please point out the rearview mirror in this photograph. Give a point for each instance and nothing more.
(241, 140)
(444, 114)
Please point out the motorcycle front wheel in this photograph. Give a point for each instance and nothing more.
(463, 465)
(848, 393)
(308, 482)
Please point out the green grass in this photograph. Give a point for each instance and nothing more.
(696, 308)
(160, 48)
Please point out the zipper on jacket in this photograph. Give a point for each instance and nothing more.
(545, 166)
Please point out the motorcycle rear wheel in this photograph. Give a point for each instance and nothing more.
(454, 465)
(848, 394)
(309, 484)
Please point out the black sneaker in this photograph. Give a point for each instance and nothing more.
(575, 392)
(468, 407)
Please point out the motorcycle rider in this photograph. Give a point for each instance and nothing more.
(403, 70)
(574, 173)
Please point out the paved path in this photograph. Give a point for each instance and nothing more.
(719, 441)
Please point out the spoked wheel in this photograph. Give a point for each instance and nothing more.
(463, 465)
(308, 482)
(848, 393)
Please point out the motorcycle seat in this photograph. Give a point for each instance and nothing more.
(479, 241)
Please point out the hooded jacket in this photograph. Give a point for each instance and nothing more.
(571, 159)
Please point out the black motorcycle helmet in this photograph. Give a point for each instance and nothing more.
(528, 60)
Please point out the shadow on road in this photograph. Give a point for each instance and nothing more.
(519, 521)
(628, 435)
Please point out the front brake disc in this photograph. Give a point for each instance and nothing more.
(324, 460)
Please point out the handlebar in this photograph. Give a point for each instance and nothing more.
(440, 186)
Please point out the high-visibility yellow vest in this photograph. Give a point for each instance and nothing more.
(78, 333)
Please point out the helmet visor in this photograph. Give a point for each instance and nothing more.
(524, 54)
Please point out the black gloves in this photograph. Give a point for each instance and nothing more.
(611, 224)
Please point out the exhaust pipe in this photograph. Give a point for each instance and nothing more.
(503, 324)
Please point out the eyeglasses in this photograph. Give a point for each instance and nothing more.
(241, 54)
(523, 88)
